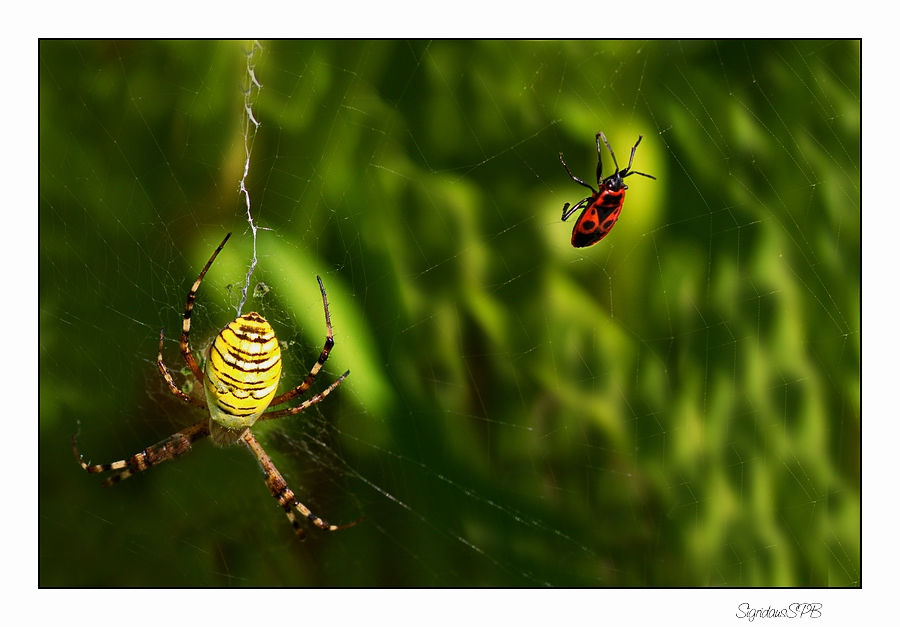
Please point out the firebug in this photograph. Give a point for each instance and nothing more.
(603, 206)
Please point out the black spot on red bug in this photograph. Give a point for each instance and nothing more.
(607, 200)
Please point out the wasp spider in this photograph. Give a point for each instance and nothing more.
(242, 370)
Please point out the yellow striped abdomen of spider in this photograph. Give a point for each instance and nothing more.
(242, 371)
(243, 368)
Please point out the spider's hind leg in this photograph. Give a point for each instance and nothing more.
(283, 494)
(173, 446)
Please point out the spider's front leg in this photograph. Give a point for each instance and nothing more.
(173, 446)
(323, 357)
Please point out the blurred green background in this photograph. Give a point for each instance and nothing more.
(678, 405)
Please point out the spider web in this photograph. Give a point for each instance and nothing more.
(678, 405)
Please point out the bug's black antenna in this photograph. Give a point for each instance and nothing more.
(633, 148)
(627, 171)
(616, 163)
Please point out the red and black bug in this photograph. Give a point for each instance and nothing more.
(601, 208)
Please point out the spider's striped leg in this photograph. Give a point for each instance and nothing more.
(283, 494)
(168, 377)
(290, 411)
(173, 446)
(323, 356)
(188, 308)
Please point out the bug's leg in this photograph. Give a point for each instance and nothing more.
(572, 176)
(188, 308)
(290, 411)
(283, 494)
(615, 163)
(579, 205)
(323, 356)
(173, 446)
(168, 377)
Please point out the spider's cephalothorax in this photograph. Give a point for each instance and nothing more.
(603, 206)
(240, 379)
